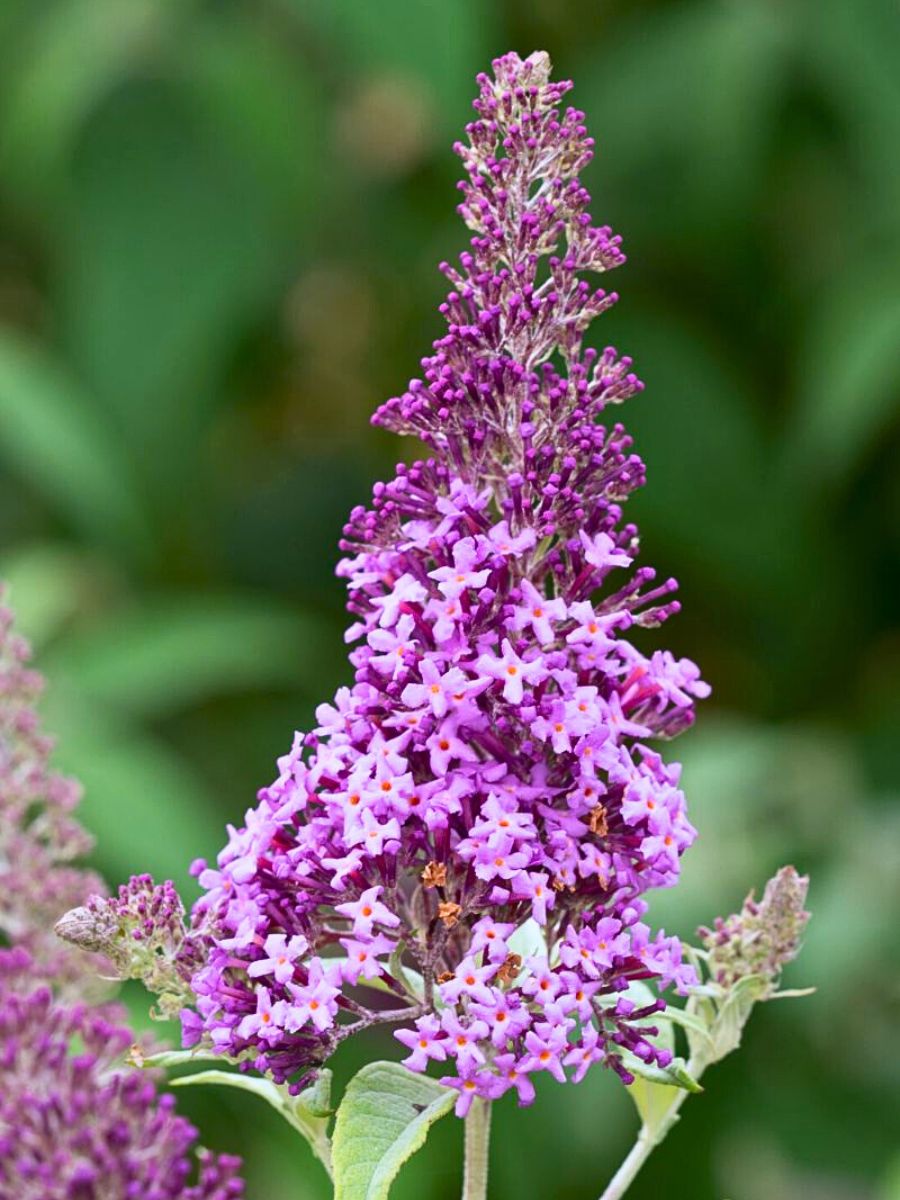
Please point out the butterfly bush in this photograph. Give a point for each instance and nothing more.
(463, 843)
(76, 1121)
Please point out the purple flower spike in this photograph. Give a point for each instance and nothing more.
(39, 833)
(473, 825)
(74, 1121)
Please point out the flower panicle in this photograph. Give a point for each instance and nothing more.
(473, 824)
(763, 937)
(74, 1120)
(40, 835)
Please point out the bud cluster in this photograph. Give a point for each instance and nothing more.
(763, 937)
(142, 932)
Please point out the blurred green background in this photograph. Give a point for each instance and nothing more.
(219, 224)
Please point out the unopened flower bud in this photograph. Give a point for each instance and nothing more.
(764, 936)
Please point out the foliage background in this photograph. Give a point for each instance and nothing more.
(218, 230)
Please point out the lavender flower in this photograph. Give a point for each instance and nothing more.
(74, 1121)
(489, 772)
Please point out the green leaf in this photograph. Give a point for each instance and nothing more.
(849, 372)
(697, 1031)
(383, 1118)
(656, 1091)
(173, 257)
(52, 434)
(528, 940)
(411, 980)
(150, 809)
(675, 1075)
(48, 584)
(164, 1059)
(265, 111)
(654, 1102)
(732, 1016)
(732, 61)
(78, 50)
(397, 37)
(311, 1120)
(316, 1099)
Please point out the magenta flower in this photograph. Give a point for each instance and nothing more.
(490, 771)
(283, 952)
(427, 1041)
(512, 671)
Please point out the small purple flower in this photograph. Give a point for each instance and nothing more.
(281, 954)
(512, 671)
(589, 1051)
(268, 1019)
(367, 911)
(362, 957)
(426, 1040)
(545, 1048)
(470, 981)
(463, 1039)
(537, 612)
(472, 1083)
(512, 1074)
(314, 1001)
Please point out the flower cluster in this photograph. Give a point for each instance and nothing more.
(762, 938)
(75, 1121)
(143, 934)
(473, 824)
(39, 835)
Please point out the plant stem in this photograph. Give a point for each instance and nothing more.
(647, 1141)
(478, 1133)
(624, 1177)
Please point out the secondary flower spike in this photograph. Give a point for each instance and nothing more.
(473, 824)
(76, 1123)
(764, 936)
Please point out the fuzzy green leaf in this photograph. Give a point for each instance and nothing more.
(733, 1014)
(383, 1119)
(675, 1075)
(656, 1090)
(309, 1113)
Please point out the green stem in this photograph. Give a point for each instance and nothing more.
(478, 1134)
(647, 1141)
(637, 1156)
